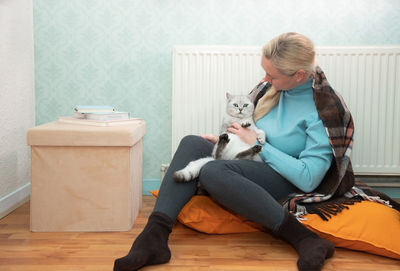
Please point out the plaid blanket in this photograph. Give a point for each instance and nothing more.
(338, 188)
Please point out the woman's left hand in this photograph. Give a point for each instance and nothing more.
(210, 137)
(246, 135)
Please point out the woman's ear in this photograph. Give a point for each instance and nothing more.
(300, 75)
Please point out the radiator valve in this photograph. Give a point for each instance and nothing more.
(163, 170)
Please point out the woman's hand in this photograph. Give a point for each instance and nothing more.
(246, 135)
(210, 137)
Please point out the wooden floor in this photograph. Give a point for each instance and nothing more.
(23, 250)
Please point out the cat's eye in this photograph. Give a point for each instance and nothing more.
(235, 105)
(245, 105)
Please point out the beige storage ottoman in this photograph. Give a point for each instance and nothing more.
(85, 178)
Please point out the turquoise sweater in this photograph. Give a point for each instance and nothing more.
(297, 144)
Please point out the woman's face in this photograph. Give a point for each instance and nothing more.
(277, 79)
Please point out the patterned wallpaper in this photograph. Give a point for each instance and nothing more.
(119, 52)
(17, 103)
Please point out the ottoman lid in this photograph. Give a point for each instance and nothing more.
(65, 134)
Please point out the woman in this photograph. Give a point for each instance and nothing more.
(297, 156)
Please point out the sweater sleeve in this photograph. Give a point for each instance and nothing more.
(307, 171)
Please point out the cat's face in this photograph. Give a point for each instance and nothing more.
(239, 106)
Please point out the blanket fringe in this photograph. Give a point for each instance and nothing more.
(368, 193)
(326, 209)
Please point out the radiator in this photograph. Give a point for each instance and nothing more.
(368, 78)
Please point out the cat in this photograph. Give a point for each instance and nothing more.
(240, 109)
(229, 146)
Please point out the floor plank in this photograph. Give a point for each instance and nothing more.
(21, 249)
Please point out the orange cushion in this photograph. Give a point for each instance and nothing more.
(203, 214)
(365, 226)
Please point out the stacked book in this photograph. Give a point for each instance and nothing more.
(96, 112)
(98, 115)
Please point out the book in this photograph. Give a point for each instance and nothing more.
(72, 120)
(94, 108)
(115, 115)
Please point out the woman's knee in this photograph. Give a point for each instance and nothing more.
(192, 141)
(189, 139)
(196, 145)
(212, 174)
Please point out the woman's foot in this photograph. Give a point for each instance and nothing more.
(312, 249)
(150, 247)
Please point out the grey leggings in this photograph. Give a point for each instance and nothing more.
(249, 188)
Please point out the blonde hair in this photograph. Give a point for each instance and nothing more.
(289, 53)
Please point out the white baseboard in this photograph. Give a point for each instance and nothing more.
(13, 200)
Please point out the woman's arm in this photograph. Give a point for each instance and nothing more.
(307, 171)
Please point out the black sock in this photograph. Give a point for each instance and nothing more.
(150, 247)
(313, 252)
(312, 249)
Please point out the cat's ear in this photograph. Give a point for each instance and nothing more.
(228, 96)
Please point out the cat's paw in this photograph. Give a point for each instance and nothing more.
(246, 124)
(182, 176)
(260, 136)
(224, 138)
(257, 148)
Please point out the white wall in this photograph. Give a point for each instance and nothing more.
(17, 101)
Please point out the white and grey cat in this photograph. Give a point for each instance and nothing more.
(240, 109)
(229, 146)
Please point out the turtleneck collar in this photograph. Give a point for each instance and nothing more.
(305, 86)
